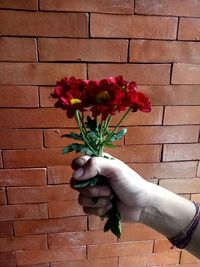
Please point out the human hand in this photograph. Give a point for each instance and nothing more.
(131, 190)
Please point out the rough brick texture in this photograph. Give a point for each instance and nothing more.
(156, 43)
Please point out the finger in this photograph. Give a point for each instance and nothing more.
(93, 202)
(95, 191)
(98, 165)
(98, 211)
(79, 162)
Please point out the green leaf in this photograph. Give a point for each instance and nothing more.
(78, 148)
(81, 184)
(114, 221)
(107, 226)
(94, 180)
(90, 182)
(84, 149)
(70, 148)
(91, 123)
(110, 145)
(73, 135)
(94, 135)
(118, 136)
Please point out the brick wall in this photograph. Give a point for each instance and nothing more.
(153, 42)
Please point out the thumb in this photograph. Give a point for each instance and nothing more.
(79, 162)
(97, 166)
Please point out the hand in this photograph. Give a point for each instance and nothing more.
(132, 191)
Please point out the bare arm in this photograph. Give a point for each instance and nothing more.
(139, 200)
(170, 214)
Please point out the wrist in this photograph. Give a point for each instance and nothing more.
(167, 212)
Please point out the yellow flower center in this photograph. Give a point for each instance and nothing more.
(75, 101)
(104, 95)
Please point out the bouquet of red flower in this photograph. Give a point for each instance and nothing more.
(101, 100)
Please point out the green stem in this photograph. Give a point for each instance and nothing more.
(78, 120)
(101, 139)
(107, 122)
(82, 121)
(117, 126)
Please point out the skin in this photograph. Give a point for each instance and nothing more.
(138, 200)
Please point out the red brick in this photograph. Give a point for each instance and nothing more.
(119, 249)
(95, 222)
(38, 265)
(162, 245)
(189, 29)
(17, 49)
(195, 197)
(121, 7)
(53, 255)
(162, 134)
(37, 158)
(53, 138)
(187, 257)
(198, 170)
(80, 238)
(182, 185)
(45, 98)
(166, 169)
(19, 96)
(182, 115)
(186, 265)
(1, 161)
(138, 232)
(23, 228)
(19, 4)
(23, 212)
(131, 26)
(145, 74)
(6, 229)
(175, 152)
(168, 7)
(107, 262)
(7, 259)
(140, 153)
(65, 208)
(48, 24)
(83, 50)
(3, 200)
(20, 139)
(59, 174)
(23, 243)
(173, 95)
(164, 51)
(153, 259)
(38, 73)
(54, 156)
(39, 118)
(22, 177)
(40, 194)
(186, 74)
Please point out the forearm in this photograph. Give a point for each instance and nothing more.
(170, 214)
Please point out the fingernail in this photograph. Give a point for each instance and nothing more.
(78, 173)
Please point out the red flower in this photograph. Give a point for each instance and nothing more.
(106, 96)
(103, 97)
(70, 94)
(144, 103)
